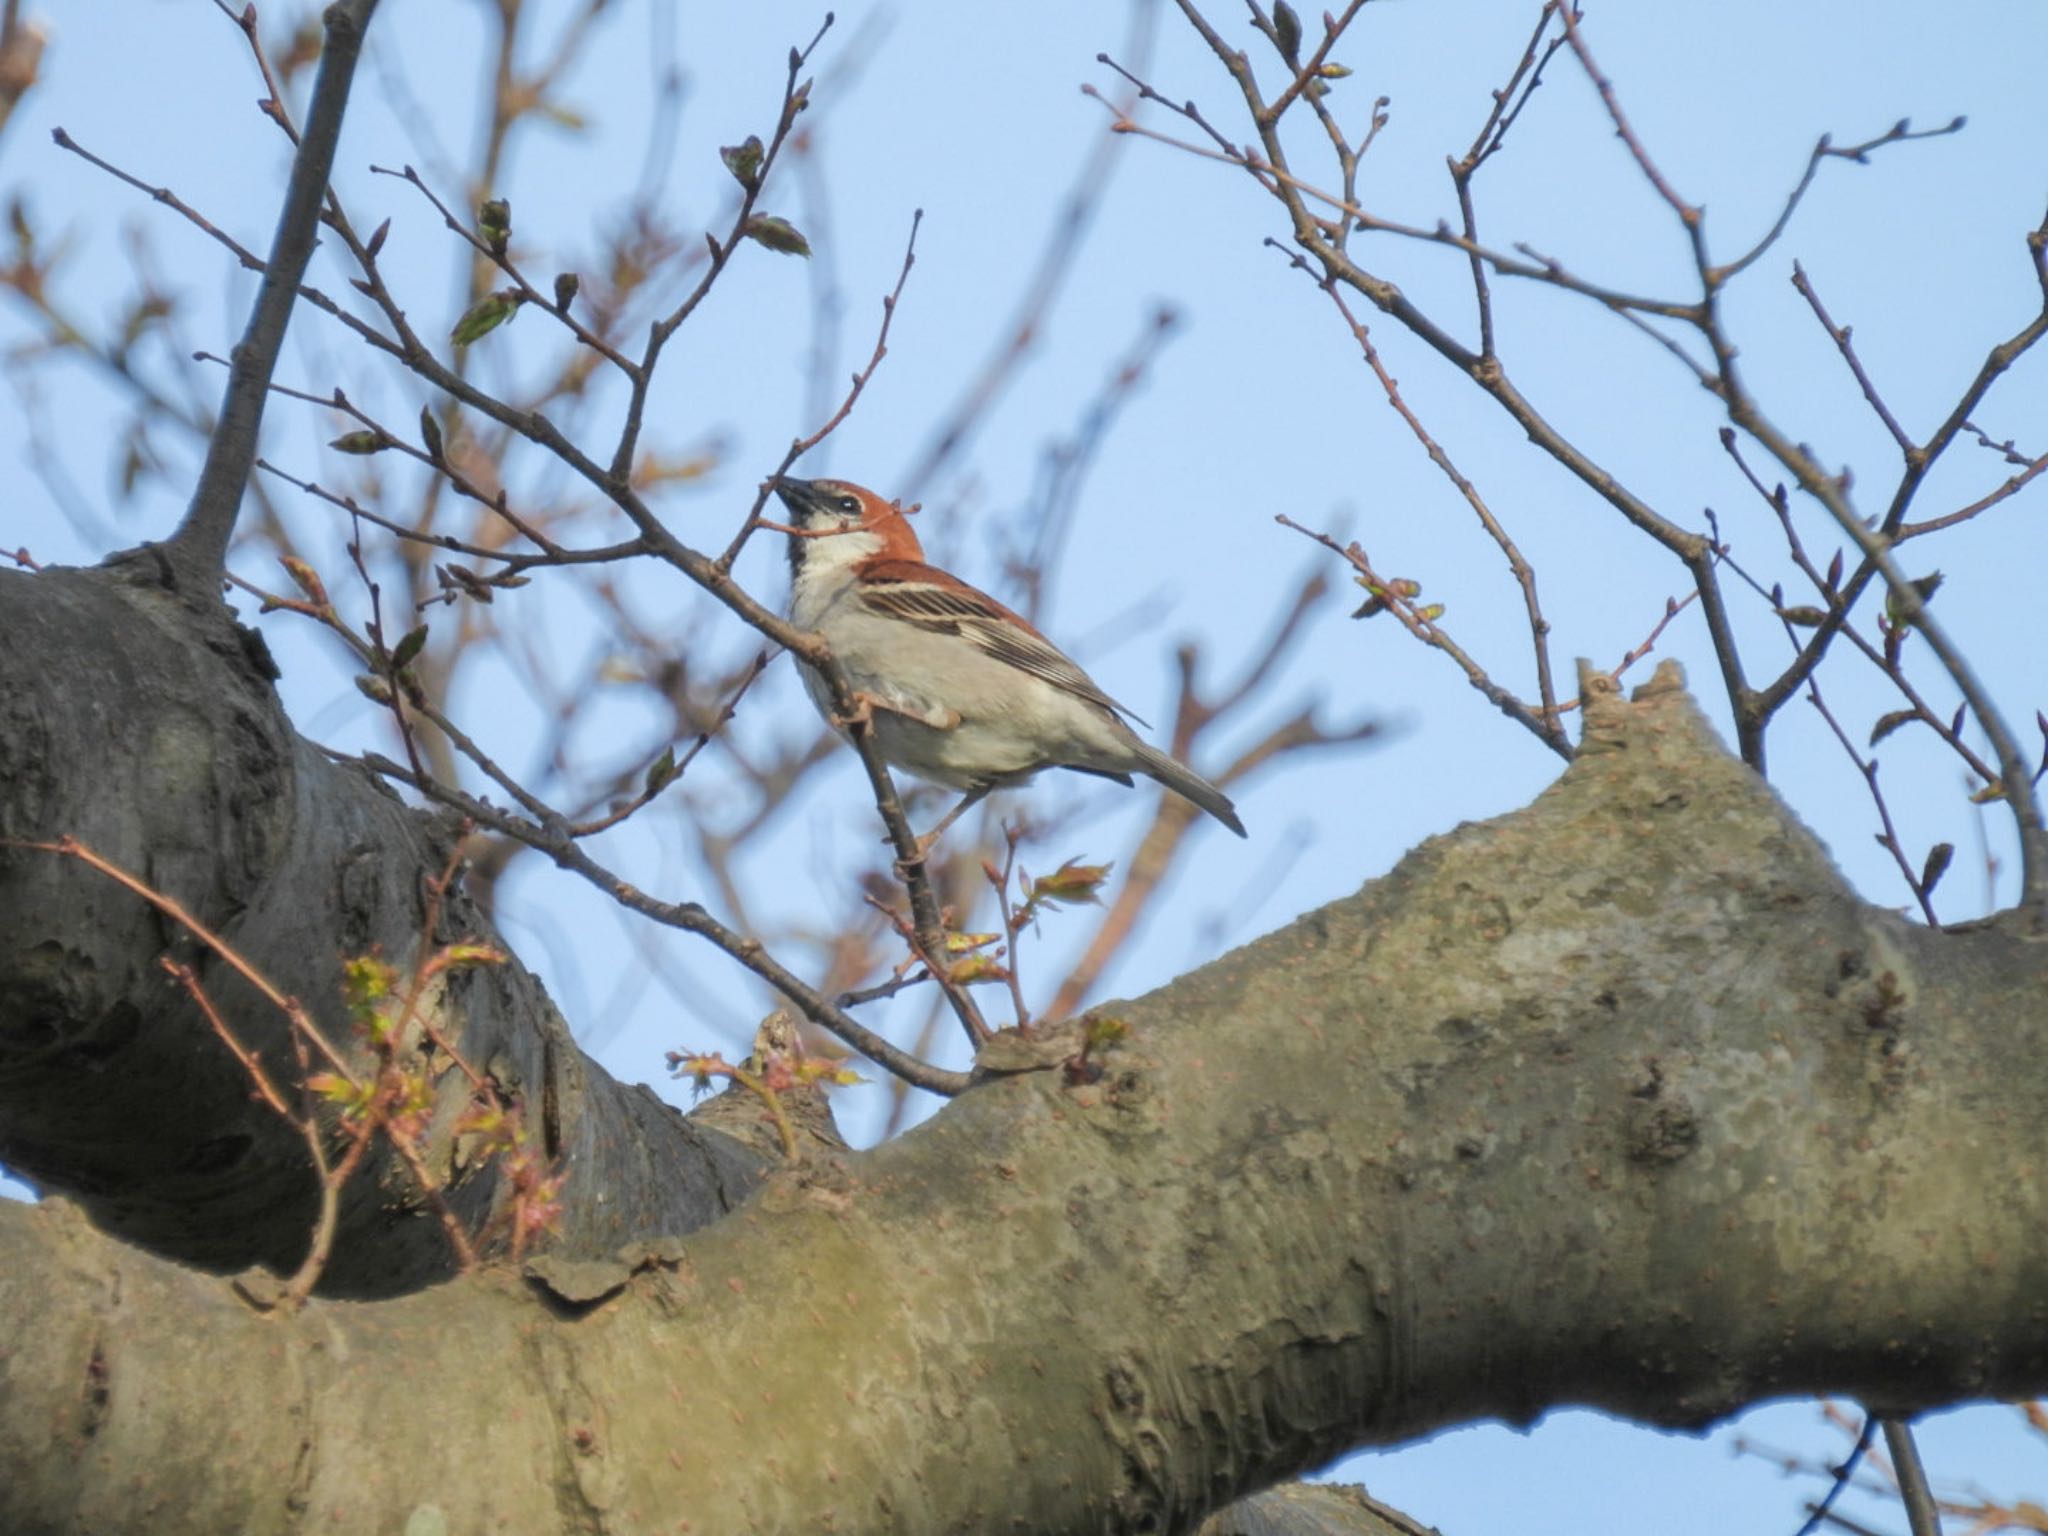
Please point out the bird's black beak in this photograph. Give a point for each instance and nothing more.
(804, 500)
(800, 496)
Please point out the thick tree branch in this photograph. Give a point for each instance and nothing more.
(112, 1087)
(1622, 1099)
(198, 550)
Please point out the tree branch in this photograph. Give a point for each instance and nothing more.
(1507, 1095)
(199, 548)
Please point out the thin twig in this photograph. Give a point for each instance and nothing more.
(252, 1064)
(795, 98)
(1841, 336)
(1524, 574)
(1889, 837)
(2012, 486)
(1823, 150)
(804, 445)
(487, 251)
(1000, 879)
(934, 962)
(551, 838)
(71, 847)
(1843, 1473)
(1423, 626)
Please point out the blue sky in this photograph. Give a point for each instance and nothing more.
(1257, 405)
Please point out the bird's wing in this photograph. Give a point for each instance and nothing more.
(931, 599)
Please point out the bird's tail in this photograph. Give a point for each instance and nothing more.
(1189, 785)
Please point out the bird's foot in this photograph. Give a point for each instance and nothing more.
(921, 851)
(863, 712)
(865, 704)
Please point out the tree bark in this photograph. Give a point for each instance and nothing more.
(1621, 1100)
(136, 716)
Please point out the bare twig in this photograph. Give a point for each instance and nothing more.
(1842, 1474)
(1421, 622)
(2012, 486)
(252, 1064)
(71, 847)
(795, 98)
(933, 959)
(804, 445)
(1825, 149)
(550, 836)
(1841, 336)
(1889, 837)
(485, 250)
(1525, 576)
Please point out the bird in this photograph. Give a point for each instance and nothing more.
(956, 688)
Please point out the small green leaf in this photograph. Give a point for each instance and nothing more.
(430, 433)
(661, 773)
(366, 981)
(1334, 71)
(364, 442)
(409, 647)
(1430, 612)
(744, 161)
(1072, 884)
(495, 220)
(354, 1098)
(486, 315)
(1923, 586)
(1102, 1030)
(699, 1069)
(375, 689)
(1804, 617)
(1886, 724)
(777, 234)
(971, 970)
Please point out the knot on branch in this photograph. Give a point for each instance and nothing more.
(1661, 704)
(1651, 766)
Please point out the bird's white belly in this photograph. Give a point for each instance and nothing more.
(1010, 724)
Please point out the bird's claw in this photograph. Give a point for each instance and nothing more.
(863, 712)
(865, 704)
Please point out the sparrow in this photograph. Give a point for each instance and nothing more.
(956, 688)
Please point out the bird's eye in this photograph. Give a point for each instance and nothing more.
(850, 505)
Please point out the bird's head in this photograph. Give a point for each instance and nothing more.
(835, 523)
